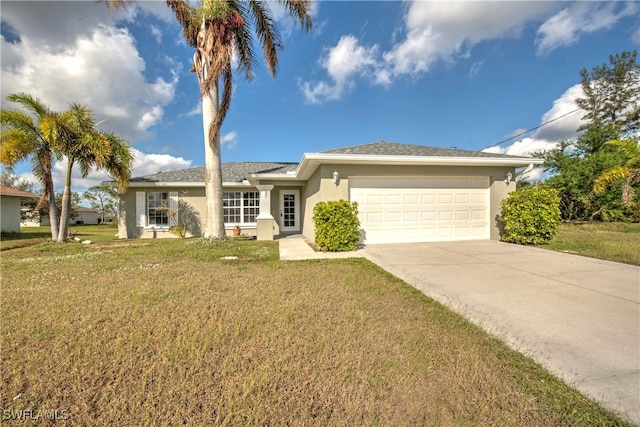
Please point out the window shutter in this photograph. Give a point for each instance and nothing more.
(173, 206)
(140, 209)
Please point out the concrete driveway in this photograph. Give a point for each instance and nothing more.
(579, 317)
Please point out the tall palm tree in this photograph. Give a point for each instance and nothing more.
(27, 134)
(83, 145)
(215, 30)
(629, 171)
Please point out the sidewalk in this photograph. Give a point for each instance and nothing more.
(296, 248)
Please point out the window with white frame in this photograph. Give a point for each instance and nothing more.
(156, 208)
(240, 207)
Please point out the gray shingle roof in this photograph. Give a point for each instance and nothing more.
(231, 172)
(238, 171)
(383, 148)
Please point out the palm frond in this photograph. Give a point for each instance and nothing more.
(609, 177)
(227, 91)
(187, 17)
(299, 10)
(117, 4)
(267, 34)
(243, 40)
(29, 103)
(120, 162)
(15, 146)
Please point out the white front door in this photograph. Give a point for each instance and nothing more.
(289, 212)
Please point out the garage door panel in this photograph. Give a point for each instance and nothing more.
(411, 216)
(422, 209)
(428, 199)
(373, 217)
(463, 198)
(411, 199)
(463, 215)
(478, 215)
(445, 198)
(445, 215)
(428, 215)
(374, 200)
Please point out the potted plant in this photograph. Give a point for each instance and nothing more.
(236, 230)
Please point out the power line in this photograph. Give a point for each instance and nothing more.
(529, 130)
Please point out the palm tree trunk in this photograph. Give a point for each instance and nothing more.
(214, 225)
(51, 194)
(65, 215)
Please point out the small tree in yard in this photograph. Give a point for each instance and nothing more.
(530, 216)
(337, 226)
(103, 199)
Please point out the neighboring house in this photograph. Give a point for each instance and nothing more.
(83, 215)
(10, 208)
(405, 193)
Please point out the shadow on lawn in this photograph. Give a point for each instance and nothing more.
(22, 240)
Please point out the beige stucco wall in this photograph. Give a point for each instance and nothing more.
(191, 199)
(188, 198)
(10, 211)
(320, 186)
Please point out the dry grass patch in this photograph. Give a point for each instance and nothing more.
(167, 333)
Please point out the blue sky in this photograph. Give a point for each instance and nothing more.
(465, 75)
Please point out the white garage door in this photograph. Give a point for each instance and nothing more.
(422, 209)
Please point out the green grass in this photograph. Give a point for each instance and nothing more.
(612, 241)
(166, 332)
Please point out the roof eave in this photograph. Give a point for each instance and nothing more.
(139, 184)
(310, 162)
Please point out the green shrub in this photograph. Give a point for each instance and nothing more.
(530, 216)
(337, 226)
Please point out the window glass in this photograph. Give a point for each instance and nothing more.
(158, 208)
(240, 207)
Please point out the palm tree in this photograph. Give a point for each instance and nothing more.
(215, 30)
(27, 135)
(86, 147)
(629, 171)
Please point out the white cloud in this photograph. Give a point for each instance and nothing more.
(547, 136)
(567, 26)
(475, 69)
(343, 62)
(196, 110)
(635, 36)
(433, 31)
(156, 33)
(144, 164)
(229, 140)
(447, 30)
(444, 32)
(83, 58)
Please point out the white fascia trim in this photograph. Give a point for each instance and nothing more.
(417, 160)
(314, 160)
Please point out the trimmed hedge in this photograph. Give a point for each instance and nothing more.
(530, 216)
(337, 226)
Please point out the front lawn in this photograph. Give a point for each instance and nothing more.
(613, 241)
(166, 332)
